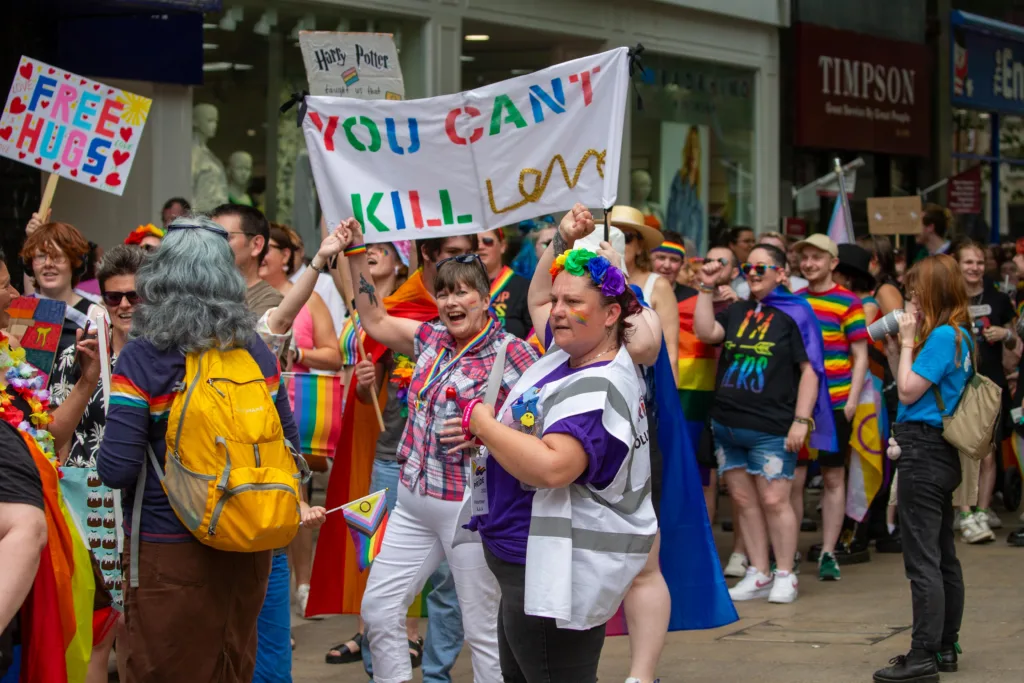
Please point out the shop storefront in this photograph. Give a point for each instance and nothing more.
(857, 95)
(987, 99)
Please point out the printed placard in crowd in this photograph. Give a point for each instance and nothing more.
(472, 161)
(359, 65)
(72, 126)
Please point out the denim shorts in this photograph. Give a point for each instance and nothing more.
(761, 454)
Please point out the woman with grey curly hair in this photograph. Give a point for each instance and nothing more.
(190, 597)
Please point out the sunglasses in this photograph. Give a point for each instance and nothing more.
(113, 299)
(721, 259)
(630, 236)
(760, 268)
(149, 248)
(488, 241)
(461, 258)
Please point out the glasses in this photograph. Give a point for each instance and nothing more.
(272, 245)
(58, 260)
(760, 268)
(488, 241)
(113, 299)
(149, 248)
(544, 244)
(630, 236)
(721, 259)
(461, 258)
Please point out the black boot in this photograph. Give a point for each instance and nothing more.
(917, 666)
(890, 543)
(947, 658)
(1016, 538)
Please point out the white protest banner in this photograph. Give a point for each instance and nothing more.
(71, 126)
(360, 65)
(472, 161)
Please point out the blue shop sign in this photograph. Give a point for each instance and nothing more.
(987, 64)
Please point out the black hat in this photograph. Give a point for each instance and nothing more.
(854, 261)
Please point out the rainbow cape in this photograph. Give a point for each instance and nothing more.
(317, 410)
(367, 518)
(337, 582)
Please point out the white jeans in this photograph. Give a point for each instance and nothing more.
(418, 536)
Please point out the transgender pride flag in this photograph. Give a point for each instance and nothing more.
(838, 230)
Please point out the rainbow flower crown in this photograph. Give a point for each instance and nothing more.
(581, 262)
(136, 235)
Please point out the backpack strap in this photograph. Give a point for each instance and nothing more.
(973, 351)
(140, 492)
(497, 372)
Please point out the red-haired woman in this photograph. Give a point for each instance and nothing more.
(934, 360)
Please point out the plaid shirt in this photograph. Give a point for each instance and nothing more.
(424, 469)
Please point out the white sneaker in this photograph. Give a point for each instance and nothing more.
(785, 589)
(737, 567)
(973, 532)
(301, 599)
(754, 586)
(991, 519)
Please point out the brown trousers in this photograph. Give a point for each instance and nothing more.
(193, 617)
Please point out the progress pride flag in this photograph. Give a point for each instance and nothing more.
(472, 161)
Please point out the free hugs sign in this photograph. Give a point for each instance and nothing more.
(75, 127)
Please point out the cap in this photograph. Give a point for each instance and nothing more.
(819, 241)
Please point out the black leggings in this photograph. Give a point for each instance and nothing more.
(534, 649)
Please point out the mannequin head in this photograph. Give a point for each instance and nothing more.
(640, 184)
(240, 169)
(204, 120)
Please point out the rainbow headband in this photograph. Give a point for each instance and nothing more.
(671, 248)
(135, 236)
(581, 262)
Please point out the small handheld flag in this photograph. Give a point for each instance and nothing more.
(367, 518)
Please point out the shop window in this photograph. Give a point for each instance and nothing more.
(242, 148)
(693, 145)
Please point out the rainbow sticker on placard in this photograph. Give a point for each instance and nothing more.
(350, 76)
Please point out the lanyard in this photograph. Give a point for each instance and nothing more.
(437, 371)
(499, 282)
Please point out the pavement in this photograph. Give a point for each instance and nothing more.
(834, 633)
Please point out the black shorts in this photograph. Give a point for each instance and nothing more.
(706, 448)
(844, 430)
(19, 481)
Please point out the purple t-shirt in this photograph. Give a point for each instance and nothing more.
(505, 529)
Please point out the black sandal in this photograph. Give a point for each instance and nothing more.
(346, 655)
(416, 646)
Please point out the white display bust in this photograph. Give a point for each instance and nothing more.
(239, 173)
(640, 186)
(209, 181)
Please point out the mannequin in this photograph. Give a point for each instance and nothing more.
(239, 173)
(209, 182)
(640, 185)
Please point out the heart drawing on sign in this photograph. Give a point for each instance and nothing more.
(51, 71)
(5, 133)
(44, 103)
(39, 161)
(56, 167)
(25, 70)
(126, 134)
(67, 77)
(17, 106)
(96, 86)
(74, 173)
(119, 157)
(114, 179)
(92, 179)
(21, 155)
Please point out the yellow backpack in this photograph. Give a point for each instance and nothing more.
(230, 474)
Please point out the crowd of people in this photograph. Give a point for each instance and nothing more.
(519, 449)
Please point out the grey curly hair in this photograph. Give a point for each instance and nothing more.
(193, 297)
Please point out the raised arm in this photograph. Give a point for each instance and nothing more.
(644, 342)
(576, 224)
(69, 413)
(707, 329)
(281, 318)
(325, 355)
(398, 334)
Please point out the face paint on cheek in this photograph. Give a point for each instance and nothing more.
(578, 317)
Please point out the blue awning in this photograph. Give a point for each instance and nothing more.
(982, 24)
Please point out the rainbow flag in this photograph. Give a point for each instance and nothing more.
(317, 408)
(367, 518)
(350, 76)
(698, 364)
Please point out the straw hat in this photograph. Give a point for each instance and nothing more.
(633, 219)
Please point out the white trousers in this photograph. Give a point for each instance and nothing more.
(418, 536)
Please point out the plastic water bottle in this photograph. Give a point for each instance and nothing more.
(451, 410)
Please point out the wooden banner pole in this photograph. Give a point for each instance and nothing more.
(51, 187)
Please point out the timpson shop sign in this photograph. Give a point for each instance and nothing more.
(858, 92)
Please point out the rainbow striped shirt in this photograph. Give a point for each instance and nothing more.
(841, 317)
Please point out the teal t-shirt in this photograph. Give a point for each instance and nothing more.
(937, 363)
